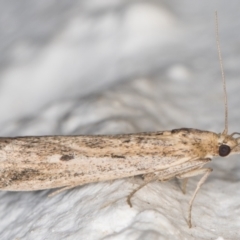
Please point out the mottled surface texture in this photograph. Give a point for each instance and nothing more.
(107, 67)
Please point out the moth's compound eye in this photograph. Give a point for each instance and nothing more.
(224, 150)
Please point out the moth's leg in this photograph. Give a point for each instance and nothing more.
(205, 172)
(150, 179)
(54, 193)
(159, 176)
(166, 178)
(184, 185)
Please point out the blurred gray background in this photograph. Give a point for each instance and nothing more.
(118, 66)
(57, 53)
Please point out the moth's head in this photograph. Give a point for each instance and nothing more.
(228, 144)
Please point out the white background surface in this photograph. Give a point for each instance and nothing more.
(106, 67)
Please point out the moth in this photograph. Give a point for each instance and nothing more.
(64, 162)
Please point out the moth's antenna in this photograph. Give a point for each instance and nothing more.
(225, 131)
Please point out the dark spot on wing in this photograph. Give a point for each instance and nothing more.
(159, 133)
(66, 157)
(117, 156)
(23, 175)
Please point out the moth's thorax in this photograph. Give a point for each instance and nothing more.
(204, 144)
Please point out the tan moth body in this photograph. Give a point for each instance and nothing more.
(64, 162)
(33, 163)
